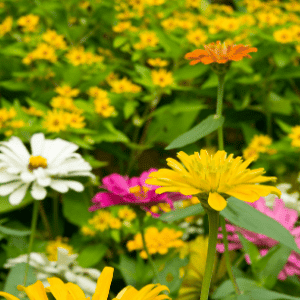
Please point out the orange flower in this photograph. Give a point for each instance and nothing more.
(219, 53)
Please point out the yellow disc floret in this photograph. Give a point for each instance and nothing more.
(37, 162)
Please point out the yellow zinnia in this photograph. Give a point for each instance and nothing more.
(71, 291)
(215, 177)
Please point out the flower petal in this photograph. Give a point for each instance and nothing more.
(34, 291)
(216, 201)
(37, 144)
(18, 195)
(38, 192)
(103, 284)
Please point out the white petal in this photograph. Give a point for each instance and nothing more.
(94, 273)
(70, 276)
(59, 186)
(75, 185)
(37, 144)
(86, 284)
(18, 195)
(11, 158)
(6, 177)
(18, 148)
(7, 188)
(38, 192)
(27, 176)
(42, 177)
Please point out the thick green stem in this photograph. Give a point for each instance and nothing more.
(227, 258)
(213, 219)
(32, 234)
(141, 224)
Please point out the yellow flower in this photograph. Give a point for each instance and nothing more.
(126, 214)
(75, 120)
(6, 25)
(51, 248)
(124, 86)
(55, 121)
(28, 23)
(54, 39)
(62, 102)
(295, 136)
(148, 39)
(115, 223)
(32, 111)
(212, 178)
(283, 36)
(162, 77)
(43, 51)
(260, 143)
(122, 26)
(76, 56)
(101, 220)
(250, 153)
(170, 24)
(192, 3)
(67, 91)
(87, 231)
(157, 62)
(96, 92)
(197, 37)
(103, 108)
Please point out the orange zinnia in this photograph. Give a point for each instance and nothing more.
(219, 53)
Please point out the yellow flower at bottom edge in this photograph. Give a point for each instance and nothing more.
(71, 291)
(214, 176)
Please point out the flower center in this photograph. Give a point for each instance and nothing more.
(36, 162)
(139, 191)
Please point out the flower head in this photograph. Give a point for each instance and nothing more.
(49, 165)
(214, 176)
(219, 53)
(135, 192)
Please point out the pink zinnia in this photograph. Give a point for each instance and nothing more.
(122, 190)
(286, 217)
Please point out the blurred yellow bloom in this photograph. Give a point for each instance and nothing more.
(157, 62)
(155, 2)
(6, 26)
(87, 231)
(101, 220)
(124, 85)
(212, 178)
(32, 111)
(197, 37)
(170, 24)
(283, 36)
(295, 136)
(127, 214)
(62, 102)
(75, 120)
(55, 121)
(148, 39)
(162, 77)
(96, 92)
(76, 56)
(17, 124)
(115, 223)
(122, 26)
(54, 39)
(67, 91)
(43, 51)
(59, 242)
(192, 3)
(103, 108)
(156, 241)
(250, 153)
(28, 23)
(260, 143)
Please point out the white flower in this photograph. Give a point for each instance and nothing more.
(65, 268)
(50, 164)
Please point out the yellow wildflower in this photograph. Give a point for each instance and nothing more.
(55, 121)
(162, 77)
(101, 220)
(127, 214)
(28, 23)
(32, 111)
(283, 36)
(97, 92)
(295, 136)
(6, 26)
(155, 2)
(87, 231)
(76, 56)
(260, 143)
(61, 102)
(124, 85)
(147, 39)
(67, 91)
(115, 223)
(170, 24)
(43, 51)
(75, 120)
(192, 3)
(59, 242)
(122, 26)
(157, 62)
(54, 39)
(212, 178)
(197, 37)
(16, 124)
(250, 153)
(103, 108)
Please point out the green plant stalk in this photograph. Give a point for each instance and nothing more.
(34, 219)
(55, 216)
(45, 220)
(221, 79)
(227, 257)
(141, 225)
(213, 219)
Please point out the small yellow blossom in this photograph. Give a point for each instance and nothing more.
(28, 23)
(103, 108)
(122, 26)
(96, 92)
(6, 26)
(54, 39)
(55, 121)
(101, 220)
(157, 62)
(115, 223)
(169, 24)
(67, 91)
(197, 37)
(87, 231)
(16, 124)
(76, 56)
(192, 3)
(162, 77)
(124, 85)
(75, 120)
(32, 111)
(260, 143)
(62, 102)
(283, 36)
(295, 136)
(43, 51)
(59, 242)
(250, 153)
(147, 39)
(126, 214)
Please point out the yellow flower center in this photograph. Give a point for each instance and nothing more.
(139, 191)
(36, 162)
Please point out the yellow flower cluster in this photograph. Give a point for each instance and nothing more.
(105, 220)
(147, 39)
(59, 242)
(288, 35)
(197, 37)
(124, 85)
(259, 144)
(32, 111)
(162, 77)
(28, 23)
(295, 136)
(43, 51)
(157, 242)
(6, 26)
(101, 102)
(54, 39)
(157, 62)
(8, 122)
(78, 56)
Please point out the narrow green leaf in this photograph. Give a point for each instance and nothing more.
(91, 255)
(190, 72)
(119, 41)
(243, 215)
(201, 130)
(250, 249)
(265, 295)
(179, 214)
(10, 231)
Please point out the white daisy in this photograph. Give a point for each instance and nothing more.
(50, 164)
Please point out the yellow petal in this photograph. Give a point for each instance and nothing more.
(103, 284)
(75, 291)
(167, 189)
(128, 293)
(8, 296)
(189, 191)
(216, 201)
(57, 288)
(35, 291)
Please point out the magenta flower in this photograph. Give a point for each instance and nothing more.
(286, 217)
(122, 190)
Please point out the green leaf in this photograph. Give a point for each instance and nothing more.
(72, 75)
(266, 295)
(14, 86)
(10, 231)
(75, 207)
(243, 215)
(127, 267)
(119, 41)
(203, 129)
(284, 126)
(16, 277)
(5, 206)
(282, 59)
(91, 255)
(182, 213)
(251, 250)
(286, 73)
(190, 72)
(280, 105)
(129, 108)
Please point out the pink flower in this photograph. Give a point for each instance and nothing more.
(286, 217)
(122, 190)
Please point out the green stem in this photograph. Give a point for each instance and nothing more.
(221, 83)
(55, 216)
(141, 224)
(45, 220)
(213, 219)
(32, 234)
(227, 258)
